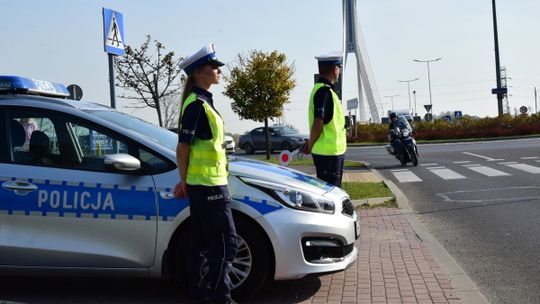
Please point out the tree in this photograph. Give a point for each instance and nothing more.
(259, 85)
(150, 78)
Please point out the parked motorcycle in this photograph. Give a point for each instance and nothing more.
(403, 146)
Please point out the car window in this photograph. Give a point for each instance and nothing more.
(94, 146)
(258, 131)
(33, 139)
(47, 138)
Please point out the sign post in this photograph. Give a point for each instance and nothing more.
(113, 39)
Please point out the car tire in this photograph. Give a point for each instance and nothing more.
(286, 146)
(253, 258)
(248, 147)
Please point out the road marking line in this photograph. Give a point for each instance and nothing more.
(530, 157)
(526, 168)
(471, 165)
(484, 157)
(447, 174)
(462, 162)
(487, 171)
(428, 164)
(406, 177)
(433, 168)
(399, 170)
(538, 161)
(508, 163)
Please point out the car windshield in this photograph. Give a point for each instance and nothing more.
(157, 134)
(284, 130)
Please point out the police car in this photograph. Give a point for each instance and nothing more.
(86, 189)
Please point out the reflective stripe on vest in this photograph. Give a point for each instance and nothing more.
(333, 138)
(207, 159)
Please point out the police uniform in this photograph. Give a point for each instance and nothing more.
(213, 241)
(328, 151)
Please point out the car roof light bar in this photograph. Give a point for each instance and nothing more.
(23, 85)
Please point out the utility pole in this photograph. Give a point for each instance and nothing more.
(535, 101)
(499, 90)
(414, 94)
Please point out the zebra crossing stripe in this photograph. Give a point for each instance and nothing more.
(428, 164)
(530, 157)
(526, 168)
(406, 177)
(462, 162)
(447, 174)
(487, 171)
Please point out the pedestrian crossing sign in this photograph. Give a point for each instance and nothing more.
(113, 32)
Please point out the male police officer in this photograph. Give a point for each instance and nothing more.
(327, 140)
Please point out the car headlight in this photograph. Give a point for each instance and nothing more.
(292, 197)
(405, 132)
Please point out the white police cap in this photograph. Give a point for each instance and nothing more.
(206, 55)
(335, 58)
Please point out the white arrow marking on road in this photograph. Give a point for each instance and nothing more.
(526, 168)
(484, 157)
(447, 174)
(487, 171)
(406, 177)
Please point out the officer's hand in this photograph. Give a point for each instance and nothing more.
(180, 190)
(306, 148)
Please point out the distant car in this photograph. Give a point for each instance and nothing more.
(280, 137)
(230, 144)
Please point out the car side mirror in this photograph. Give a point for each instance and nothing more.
(122, 162)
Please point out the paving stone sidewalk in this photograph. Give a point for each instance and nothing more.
(392, 267)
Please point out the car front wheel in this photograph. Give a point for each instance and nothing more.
(248, 148)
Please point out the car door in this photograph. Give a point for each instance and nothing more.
(257, 136)
(69, 209)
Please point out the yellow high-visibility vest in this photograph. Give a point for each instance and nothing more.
(333, 138)
(207, 159)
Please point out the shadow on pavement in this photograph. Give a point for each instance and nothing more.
(127, 290)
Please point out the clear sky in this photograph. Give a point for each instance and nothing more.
(61, 41)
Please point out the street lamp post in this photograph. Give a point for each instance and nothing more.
(409, 89)
(392, 99)
(429, 78)
(414, 94)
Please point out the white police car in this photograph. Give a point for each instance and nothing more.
(86, 189)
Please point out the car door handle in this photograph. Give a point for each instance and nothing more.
(166, 194)
(19, 187)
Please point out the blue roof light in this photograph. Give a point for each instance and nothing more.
(17, 84)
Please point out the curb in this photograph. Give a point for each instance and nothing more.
(463, 285)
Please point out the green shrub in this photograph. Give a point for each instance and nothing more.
(467, 127)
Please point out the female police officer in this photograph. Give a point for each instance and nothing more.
(203, 178)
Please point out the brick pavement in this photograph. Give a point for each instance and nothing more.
(393, 267)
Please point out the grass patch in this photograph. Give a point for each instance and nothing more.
(358, 190)
(305, 161)
(390, 203)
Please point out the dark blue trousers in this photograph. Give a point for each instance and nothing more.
(212, 243)
(329, 168)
